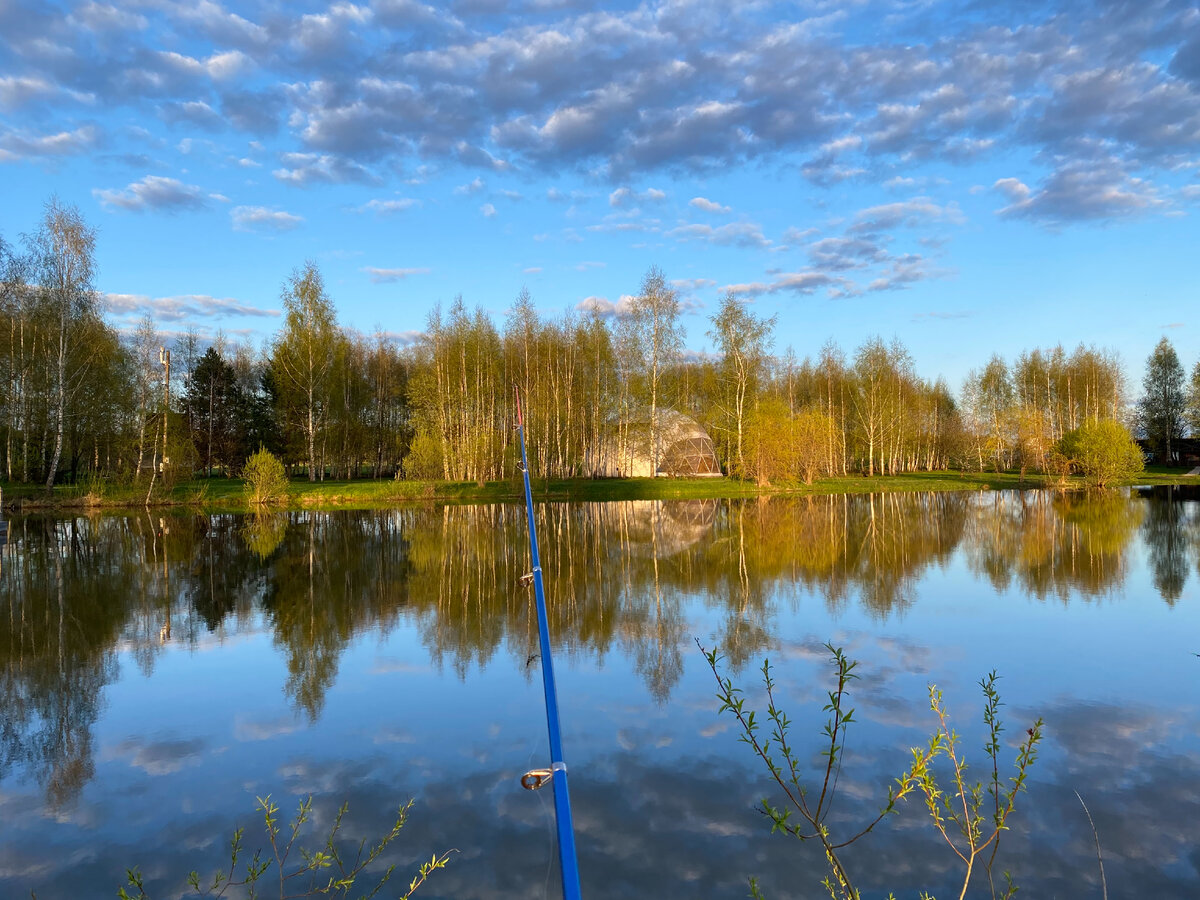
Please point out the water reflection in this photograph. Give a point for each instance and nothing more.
(1055, 545)
(621, 578)
(57, 646)
(666, 806)
(1165, 533)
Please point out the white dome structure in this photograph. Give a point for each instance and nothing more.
(685, 449)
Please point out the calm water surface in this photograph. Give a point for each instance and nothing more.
(157, 674)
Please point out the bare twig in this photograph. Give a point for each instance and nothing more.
(1096, 836)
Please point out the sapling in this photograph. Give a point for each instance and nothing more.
(324, 871)
(959, 815)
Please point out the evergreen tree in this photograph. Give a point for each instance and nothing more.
(216, 410)
(261, 414)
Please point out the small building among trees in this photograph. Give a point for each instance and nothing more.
(684, 447)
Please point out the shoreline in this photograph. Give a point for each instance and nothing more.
(227, 494)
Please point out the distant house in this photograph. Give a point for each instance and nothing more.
(686, 450)
(1187, 451)
(1184, 451)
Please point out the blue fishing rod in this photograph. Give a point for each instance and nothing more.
(557, 773)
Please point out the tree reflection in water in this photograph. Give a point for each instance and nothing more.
(619, 578)
(1165, 531)
(1056, 545)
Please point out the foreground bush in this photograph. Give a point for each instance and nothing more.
(266, 479)
(325, 869)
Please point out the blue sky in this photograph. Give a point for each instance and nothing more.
(968, 177)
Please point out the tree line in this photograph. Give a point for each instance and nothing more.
(82, 401)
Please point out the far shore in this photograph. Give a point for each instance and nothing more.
(228, 494)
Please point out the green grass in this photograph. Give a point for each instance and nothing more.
(1165, 475)
(228, 494)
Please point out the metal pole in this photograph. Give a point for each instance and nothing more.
(164, 357)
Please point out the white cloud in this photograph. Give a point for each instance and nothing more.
(219, 67)
(401, 338)
(18, 90)
(793, 282)
(387, 207)
(905, 213)
(901, 273)
(735, 234)
(181, 308)
(707, 205)
(102, 17)
(390, 276)
(17, 145)
(261, 218)
(407, 89)
(1079, 191)
(606, 307)
(691, 284)
(323, 168)
(624, 196)
(155, 192)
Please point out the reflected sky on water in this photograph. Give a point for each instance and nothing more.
(160, 672)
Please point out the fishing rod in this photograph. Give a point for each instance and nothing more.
(557, 773)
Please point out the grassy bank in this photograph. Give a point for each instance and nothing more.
(228, 495)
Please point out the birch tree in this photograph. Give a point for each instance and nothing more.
(146, 374)
(1163, 400)
(303, 353)
(64, 249)
(653, 335)
(743, 340)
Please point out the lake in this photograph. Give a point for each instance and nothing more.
(159, 672)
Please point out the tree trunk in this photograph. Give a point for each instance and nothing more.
(61, 399)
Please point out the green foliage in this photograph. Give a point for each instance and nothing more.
(769, 443)
(217, 412)
(1193, 402)
(743, 340)
(264, 532)
(303, 355)
(266, 479)
(229, 494)
(1164, 400)
(972, 817)
(1102, 451)
(780, 445)
(424, 459)
(969, 817)
(814, 435)
(324, 871)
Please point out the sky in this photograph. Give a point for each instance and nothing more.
(970, 178)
